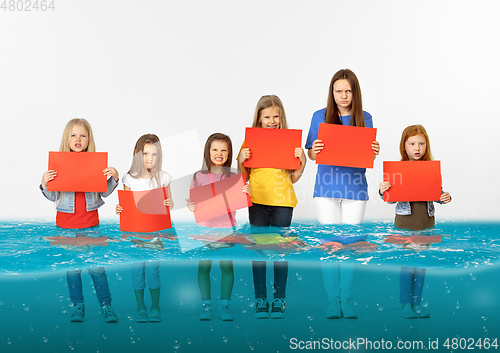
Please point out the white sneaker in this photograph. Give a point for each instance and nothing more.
(155, 316)
(225, 313)
(333, 309)
(142, 316)
(407, 312)
(206, 312)
(347, 309)
(78, 313)
(421, 312)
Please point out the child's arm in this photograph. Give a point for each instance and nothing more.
(296, 174)
(169, 201)
(383, 187)
(118, 208)
(445, 197)
(191, 205)
(317, 146)
(376, 149)
(247, 189)
(112, 182)
(48, 176)
(112, 172)
(244, 155)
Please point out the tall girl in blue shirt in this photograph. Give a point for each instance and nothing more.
(340, 193)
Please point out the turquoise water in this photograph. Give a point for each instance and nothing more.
(461, 245)
(461, 290)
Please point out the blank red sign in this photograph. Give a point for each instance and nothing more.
(413, 181)
(219, 198)
(144, 211)
(346, 146)
(78, 171)
(272, 148)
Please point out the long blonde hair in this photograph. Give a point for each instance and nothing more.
(137, 169)
(268, 102)
(67, 134)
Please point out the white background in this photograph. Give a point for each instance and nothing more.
(168, 67)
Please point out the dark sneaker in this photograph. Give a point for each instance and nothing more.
(278, 309)
(262, 309)
(78, 313)
(108, 315)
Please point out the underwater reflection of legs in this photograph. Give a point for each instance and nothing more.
(75, 286)
(227, 281)
(259, 285)
(338, 280)
(140, 272)
(101, 286)
(411, 285)
(204, 268)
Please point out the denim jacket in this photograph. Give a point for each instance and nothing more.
(403, 208)
(65, 201)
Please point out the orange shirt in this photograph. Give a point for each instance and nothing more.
(81, 218)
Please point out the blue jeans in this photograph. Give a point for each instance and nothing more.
(101, 286)
(411, 285)
(276, 216)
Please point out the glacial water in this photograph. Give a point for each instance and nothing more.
(461, 288)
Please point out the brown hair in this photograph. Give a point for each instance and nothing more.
(137, 169)
(332, 115)
(207, 163)
(415, 130)
(268, 102)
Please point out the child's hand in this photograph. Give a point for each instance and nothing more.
(384, 186)
(299, 153)
(48, 176)
(244, 155)
(445, 198)
(190, 205)
(247, 189)
(169, 202)
(110, 171)
(376, 148)
(318, 145)
(118, 209)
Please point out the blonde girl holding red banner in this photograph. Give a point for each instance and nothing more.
(145, 174)
(273, 201)
(414, 146)
(78, 210)
(217, 159)
(340, 193)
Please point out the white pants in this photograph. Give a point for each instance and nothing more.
(146, 270)
(339, 211)
(339, 278)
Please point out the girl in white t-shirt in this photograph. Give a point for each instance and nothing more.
(145, 174)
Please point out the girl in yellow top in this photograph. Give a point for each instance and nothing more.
(273, 201)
